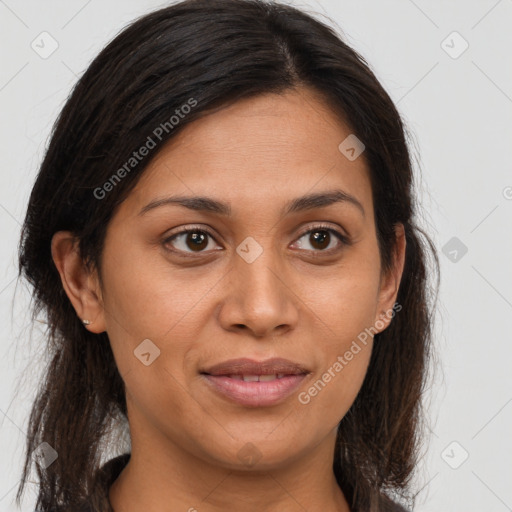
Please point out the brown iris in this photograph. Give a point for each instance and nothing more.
(197, 240)
(320, 237)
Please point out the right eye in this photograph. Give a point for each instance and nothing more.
(191, 240)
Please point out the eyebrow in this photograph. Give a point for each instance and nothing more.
(299, 204)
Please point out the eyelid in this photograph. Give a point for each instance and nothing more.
(325, 227)
(343, 239)
(184, 230)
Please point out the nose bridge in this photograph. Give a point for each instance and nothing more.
(258, 299)
(255, 270)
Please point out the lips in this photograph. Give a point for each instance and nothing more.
(257, 378)
(255, 383)
(246, 367)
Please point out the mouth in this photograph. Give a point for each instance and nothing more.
(255, 383)
(255, 378)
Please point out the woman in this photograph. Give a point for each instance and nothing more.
(222, 238)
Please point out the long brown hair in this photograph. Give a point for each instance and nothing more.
(217, 52)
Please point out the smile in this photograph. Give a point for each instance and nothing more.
(254, 390)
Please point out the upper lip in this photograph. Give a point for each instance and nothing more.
(245, 366)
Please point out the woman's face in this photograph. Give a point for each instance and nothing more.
(261, 274)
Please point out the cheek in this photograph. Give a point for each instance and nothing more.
(344, 300)
(345, 314)
(147, 299)
(154, 317)
(345, 373)
(140, 303)
(345, 359)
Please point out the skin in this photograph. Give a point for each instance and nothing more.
(295, 301)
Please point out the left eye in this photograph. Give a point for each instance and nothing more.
(320, 238)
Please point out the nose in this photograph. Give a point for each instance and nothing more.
(258, 297)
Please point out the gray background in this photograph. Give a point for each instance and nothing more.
(458, 106)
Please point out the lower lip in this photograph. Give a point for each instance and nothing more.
(255, 394)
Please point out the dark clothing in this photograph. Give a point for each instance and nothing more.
(98, 501)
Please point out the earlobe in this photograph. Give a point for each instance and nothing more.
(80, 284)
(390, 282)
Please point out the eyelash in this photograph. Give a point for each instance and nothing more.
(344, 240)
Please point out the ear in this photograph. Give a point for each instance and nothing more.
(390, 282)
(80, 284)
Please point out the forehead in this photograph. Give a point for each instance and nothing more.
(268, 146)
